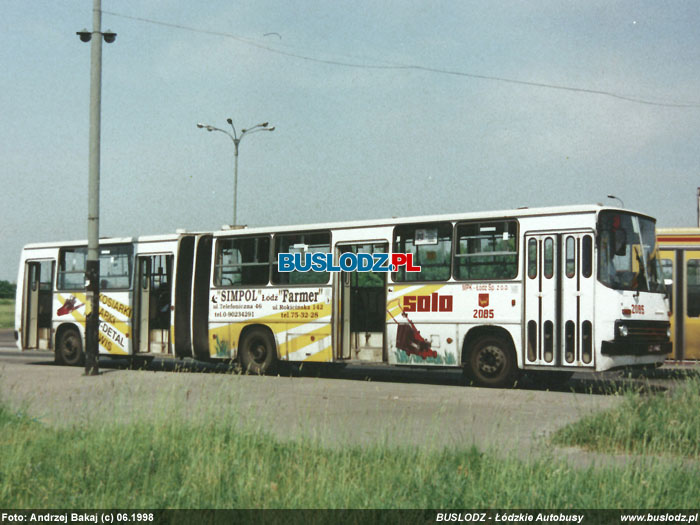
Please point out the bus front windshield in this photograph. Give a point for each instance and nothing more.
(627, 253)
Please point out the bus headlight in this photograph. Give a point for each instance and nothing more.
(668, 332)
(622, 330)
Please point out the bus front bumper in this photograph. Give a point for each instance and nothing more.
(633, 348)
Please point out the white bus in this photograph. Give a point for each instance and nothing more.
(137, 296)
(541, 290)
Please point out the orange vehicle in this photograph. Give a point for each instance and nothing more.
(679, 250)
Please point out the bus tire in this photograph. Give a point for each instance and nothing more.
(492, 363)
(70, 348)
(257, 352)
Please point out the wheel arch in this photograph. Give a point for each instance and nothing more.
(60, 332)
(62, 328)
(477, 332)
(252, 327)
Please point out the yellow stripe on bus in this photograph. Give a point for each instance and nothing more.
(223, 338)
(324, 356)
(394, 308)
(300, 341)
(122, 326)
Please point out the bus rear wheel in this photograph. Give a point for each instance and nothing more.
(492, 363)
(257, 352)
(69, 350)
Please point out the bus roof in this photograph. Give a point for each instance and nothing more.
(486, 215)
(105, 241)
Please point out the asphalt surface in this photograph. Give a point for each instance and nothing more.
(357, 405)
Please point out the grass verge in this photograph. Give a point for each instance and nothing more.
(7, 313)
(661, 424)
(168, 462)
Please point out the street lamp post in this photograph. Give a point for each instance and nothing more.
(236, 141)
(92, 264)
(622, 204)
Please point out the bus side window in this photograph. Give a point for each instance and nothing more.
(487, 250)
(431, 247)
(242, 261)
(693, 288)
(116, 263)
(71, 268)
(306, 244)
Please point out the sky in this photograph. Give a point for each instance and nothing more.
(380, 109)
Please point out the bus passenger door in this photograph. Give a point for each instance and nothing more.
(30, 320)
(182, 289)
(577, 301)
(37, 304)
(362, 308)
(541, 299)
(143, 298)
(559, 286)
(153, 304)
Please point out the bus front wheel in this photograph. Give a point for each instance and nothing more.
(492, 363)
(70, 348)
(257, 352)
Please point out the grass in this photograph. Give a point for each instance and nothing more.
(7, 313)
(661, 424)
(170, 462)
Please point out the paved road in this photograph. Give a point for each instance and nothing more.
(7, 339)
(357, 405)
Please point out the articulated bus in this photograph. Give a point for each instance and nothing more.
(679, 249)
(550, 290)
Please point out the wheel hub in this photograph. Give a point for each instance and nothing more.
(491, 360)
(258, 352)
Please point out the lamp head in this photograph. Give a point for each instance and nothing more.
(84, 35)
(109, 36)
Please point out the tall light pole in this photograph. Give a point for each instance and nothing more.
(236, 141)
(622, 204)
(92, 265)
